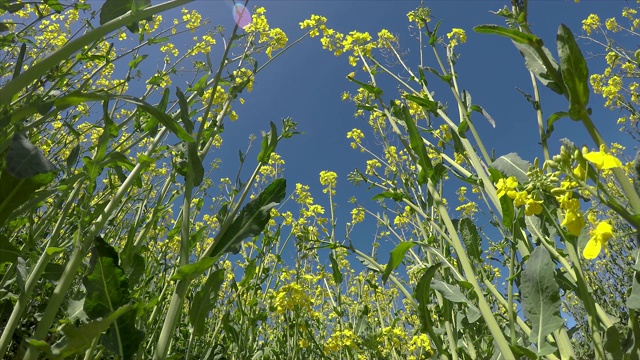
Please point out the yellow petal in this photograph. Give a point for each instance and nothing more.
(592, 250)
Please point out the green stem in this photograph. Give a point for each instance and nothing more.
(470, 275)
(34, 276)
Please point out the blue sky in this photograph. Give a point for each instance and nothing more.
(306, 82)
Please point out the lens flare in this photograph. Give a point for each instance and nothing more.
(241, 15)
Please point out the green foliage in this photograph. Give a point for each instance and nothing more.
(541, 299)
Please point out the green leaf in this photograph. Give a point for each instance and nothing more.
(416, 144)
(433, 35)
(126, 339)
(32, 171)
(449, 291)
(481, 110)
(191, 271)
(54, 5)
(633, 301)
(204, 300)
(200, 85)
(575, 73)
(25, 161)
(335, 269)
(251, 220)
(515, 35)
(428, 105)
(77, 339)
(471, 239)
(394, 195)
(8, 252)
(112, 9)
(137, 59)
(395, 258)
(540, 296)
(612, 343)
(269, 142)
(369, 88)
(512, 165)
(550, 121)
(534, 63)
(422, 295)
(106, 284)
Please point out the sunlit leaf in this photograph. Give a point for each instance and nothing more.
(252, 218)
(540, 296)
(204, 300)
(575, 73)
(395, 257)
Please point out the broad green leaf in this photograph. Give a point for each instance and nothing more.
(8, 252)
(269, 143)
(335, 270)
(575, 73)
(534, 63)
(25, 161)
(112, 9)
(449, 291)
(106, 284)
(512, 165)
(54, 5)
(251, 220)
(76, 339)
(612, 343)
(191, 271)
(633, 301)
(126, 339)
(471, 238)
(369, 88)
(395, 258)
(204, 300)
(16, 192)
(453, 294)
(515, 35)
(540, 296)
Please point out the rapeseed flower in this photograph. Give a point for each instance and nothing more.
(599, 237)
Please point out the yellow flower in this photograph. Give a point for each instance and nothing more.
(520, 198)
(533, 207)
(601, 160)
(574, 222)
(328, 179)
(456, 35)
(599, 237)
(507, 186)
(590, 23)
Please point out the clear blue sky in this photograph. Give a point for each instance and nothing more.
(306, 83)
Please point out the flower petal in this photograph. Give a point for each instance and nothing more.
(592, 250)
